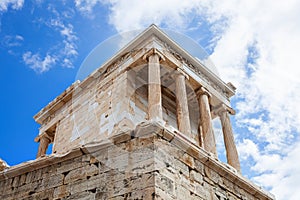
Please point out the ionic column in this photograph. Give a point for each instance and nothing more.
(183, 119)
(209, 141)
(231, 151)
(43, 146)
(154, 86)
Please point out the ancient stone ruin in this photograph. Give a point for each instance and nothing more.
(139, 127)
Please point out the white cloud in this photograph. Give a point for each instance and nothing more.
(281, 174)
(86, 6)
(67, 31)
(12, 41)
(135, 14)
(63, 53)
(287, 176)
(69, 50)
(268, 87)
(67, 63)
(247, 149)
(14, 4)
(38, 64)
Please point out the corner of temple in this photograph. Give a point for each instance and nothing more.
(154, 51)
(181, 71)
(231, 86)
(202, 90)
(224, 108)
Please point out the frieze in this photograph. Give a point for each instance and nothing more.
(123, 59)
(183, 60)
(187, 63)
(118, 62)
(48, 119)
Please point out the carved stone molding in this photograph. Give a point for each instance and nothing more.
(119, 62)
(202, 91)
(154, 51)
(223, 108)
(203, 76)
(183, 73)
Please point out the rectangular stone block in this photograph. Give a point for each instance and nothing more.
(81, 173)
(188, 160)
(196, 176)
(165, 184)
(45, 194)
(16, 181)
(78, 186)
(50, 181)
(61, 192)
(85, 195)
(160, 194)
(142, 181)
(33, 176)
(146, 193)
(199, 166)
(182, 192)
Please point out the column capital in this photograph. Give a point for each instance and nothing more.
(43, 135)
(203, 91)
(224, 108)
(182, 73)
(153, 51)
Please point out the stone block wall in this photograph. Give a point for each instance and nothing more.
(150, 162)
(93, 113)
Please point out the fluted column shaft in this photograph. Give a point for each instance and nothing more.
(43, 146)
(183, 119)
(154, 87)
(209, 141)
(231, 151)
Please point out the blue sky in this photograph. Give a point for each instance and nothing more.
(254, 45)
(27, 86)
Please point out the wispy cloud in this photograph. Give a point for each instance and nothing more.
(14, 4)
(37, 63)
(61, 53)
(12, 41)
(69, 50)
(268, 88)
(278, 173)
(257, 51)
(86, 6)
